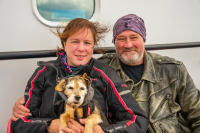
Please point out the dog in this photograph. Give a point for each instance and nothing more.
(79, 94)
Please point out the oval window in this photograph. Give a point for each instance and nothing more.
(53, 12)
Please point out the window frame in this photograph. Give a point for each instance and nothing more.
(55, 24)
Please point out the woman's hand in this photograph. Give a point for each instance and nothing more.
(96, 128)
(19, 110)
(75, 127)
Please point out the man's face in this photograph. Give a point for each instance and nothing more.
(129, 46)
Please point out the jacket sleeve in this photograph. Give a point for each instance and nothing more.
(30, 125)
(189, 99)
(33, 99)
(127, 116)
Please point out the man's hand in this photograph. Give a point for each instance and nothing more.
(19, 110)
(54, 126)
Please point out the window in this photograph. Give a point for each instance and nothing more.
(53, 12)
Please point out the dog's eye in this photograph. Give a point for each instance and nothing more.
(82, 88)
(71, 88)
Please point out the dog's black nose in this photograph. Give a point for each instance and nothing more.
(77, 98)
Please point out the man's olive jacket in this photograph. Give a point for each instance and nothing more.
(165, 92)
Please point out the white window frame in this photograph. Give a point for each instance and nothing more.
(55, 24)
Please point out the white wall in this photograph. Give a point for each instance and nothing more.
(167, 21)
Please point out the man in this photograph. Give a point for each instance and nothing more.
(161, 85)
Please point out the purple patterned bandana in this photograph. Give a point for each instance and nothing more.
(129, 22)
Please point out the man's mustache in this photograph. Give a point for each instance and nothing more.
(128, 49)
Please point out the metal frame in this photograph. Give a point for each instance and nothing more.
(55, 24)
(100, 50)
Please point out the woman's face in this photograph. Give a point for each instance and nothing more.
(79, 47)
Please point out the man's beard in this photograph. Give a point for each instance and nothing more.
(130, 61)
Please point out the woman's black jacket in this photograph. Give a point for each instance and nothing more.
(111, 93)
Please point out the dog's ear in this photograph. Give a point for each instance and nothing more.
(90, 92)
(85, 77)
(60, 85)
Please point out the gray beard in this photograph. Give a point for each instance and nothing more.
(132, 61)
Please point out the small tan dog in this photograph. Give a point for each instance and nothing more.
(78, 93)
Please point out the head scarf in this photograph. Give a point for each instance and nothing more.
(129, 22)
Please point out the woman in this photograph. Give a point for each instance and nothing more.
(78, 40)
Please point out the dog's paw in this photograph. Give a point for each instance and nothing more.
(60, 131)
(88, 130)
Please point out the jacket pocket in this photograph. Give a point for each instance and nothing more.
(166, 107)
(166, 98)
(163, 101)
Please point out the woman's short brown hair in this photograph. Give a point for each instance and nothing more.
(80, 23)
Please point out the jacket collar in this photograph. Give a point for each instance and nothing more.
(149, 70)
(115, 63)
(79, 69)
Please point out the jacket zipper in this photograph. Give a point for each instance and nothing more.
(153, 129)
(161, 104)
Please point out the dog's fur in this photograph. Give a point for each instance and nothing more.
(76, 88)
